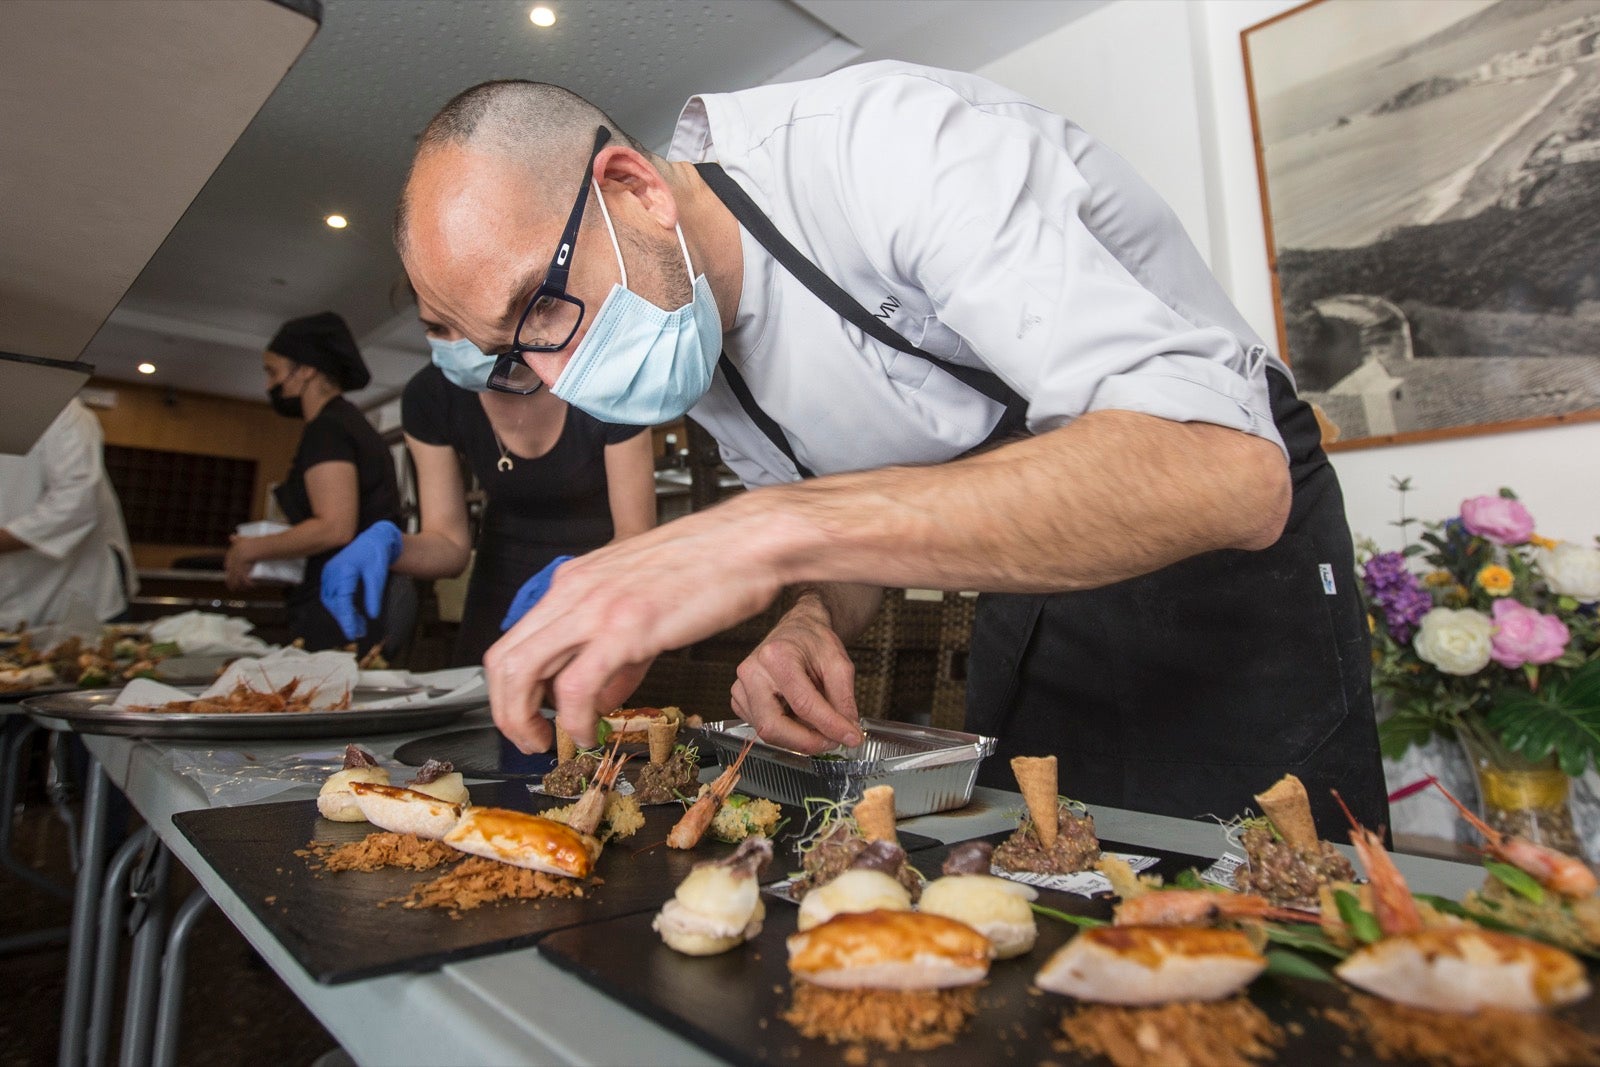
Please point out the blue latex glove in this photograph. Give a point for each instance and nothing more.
(532, 591)
(364, 563)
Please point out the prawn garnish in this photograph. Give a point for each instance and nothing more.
(692, 827)
(1392, 903)
(1457, 968)
(591, 806)
(1201, 907)
(1556, 871)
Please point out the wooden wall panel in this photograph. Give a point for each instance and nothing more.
(177, 421)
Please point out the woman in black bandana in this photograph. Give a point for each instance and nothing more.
(342, 477)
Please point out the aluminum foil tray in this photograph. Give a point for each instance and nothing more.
(930, 769)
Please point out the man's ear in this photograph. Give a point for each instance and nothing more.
(620, 169)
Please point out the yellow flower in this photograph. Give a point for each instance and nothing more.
(1372, 624)
(1434, 579)
(1541, 542)
(1495, 580)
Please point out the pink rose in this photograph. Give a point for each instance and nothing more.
(1501, 520)
(1522, 635)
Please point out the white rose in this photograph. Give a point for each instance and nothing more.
(1456, 642)
(1571, 570)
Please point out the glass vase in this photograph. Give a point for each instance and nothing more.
(1520, 796)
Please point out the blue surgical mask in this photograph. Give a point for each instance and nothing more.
(463, 363)
(640, 365)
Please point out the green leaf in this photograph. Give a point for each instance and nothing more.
(1564, 719)
(1305, 937)
(1362, 923)
(1446, 906)
(1188, 879)
(1516, 879)
(602, 733)
(162, 649)
(1289, 965)
(1061, 916)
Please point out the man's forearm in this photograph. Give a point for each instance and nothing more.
(1112, 496)
(847, 607)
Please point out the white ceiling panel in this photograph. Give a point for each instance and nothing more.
(337, 136)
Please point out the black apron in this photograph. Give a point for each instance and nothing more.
(1182, 692)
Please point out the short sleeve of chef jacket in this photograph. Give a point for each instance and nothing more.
(1058, 267)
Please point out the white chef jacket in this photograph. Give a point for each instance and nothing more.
(982, 228)
(58, 500)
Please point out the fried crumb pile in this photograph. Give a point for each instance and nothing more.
(1489, 1035)
(918, 1019)
(478, 881)
(1227, 1033)
(376, 851)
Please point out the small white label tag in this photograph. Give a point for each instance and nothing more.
(1326, 570)
(1221, 872)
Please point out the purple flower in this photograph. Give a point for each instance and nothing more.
(1395, 591)
(1500, 519)
(1523, 635)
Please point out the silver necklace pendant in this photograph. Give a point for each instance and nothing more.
(504, 462)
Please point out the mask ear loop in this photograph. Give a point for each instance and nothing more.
(686, 261)
(612, 231)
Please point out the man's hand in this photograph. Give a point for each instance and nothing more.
(237, 563)
(798, 687)
(607, 614)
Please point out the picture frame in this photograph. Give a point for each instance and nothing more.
(1430, 185)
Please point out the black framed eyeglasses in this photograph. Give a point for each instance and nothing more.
(552, 316)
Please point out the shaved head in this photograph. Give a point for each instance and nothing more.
(543, 129)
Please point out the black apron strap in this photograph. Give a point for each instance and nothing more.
(753, 219)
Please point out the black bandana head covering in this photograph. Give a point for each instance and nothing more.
(323, 341)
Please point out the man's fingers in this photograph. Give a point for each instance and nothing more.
(516, 690)
(754, 699)
(809, 704)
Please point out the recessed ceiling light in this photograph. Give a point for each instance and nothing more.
(337, 222)
(147, 368)
(542, 16)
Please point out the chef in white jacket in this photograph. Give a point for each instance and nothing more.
(61, 531)
(949, 340)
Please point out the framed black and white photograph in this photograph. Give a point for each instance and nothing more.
(1430, 174)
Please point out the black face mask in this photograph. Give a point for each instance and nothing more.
(287, 406)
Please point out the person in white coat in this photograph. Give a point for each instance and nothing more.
(949, 340)
(61, 531)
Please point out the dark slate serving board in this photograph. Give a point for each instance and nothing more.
(732, 1004)
(481, 752)
(332, 925)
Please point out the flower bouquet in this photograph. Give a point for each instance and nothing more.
(1495, 643)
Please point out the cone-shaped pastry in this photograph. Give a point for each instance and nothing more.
(874, 814)
(1287, 805)
(662, 734)
(1036, 781)
(566, 747)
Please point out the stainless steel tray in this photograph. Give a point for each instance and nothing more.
(91, 712)
(930, 769)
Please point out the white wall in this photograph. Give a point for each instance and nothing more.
(1162, 82)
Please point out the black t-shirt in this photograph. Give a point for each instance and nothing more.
(557, 498)
(340, 433)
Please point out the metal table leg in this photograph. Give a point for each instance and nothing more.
(170, 1012)
(18, 731)
(109, 940)
(86, 899)
(149, 926)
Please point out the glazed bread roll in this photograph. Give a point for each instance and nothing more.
(890, 950)
(1151, 964)
(1463, 969)
(405, 811)
(997, 908)
(524, 840)
(336, 802)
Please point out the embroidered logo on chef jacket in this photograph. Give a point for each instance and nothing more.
(889, 306)
(1326, 570)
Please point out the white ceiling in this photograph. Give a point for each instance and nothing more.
(336, 136)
